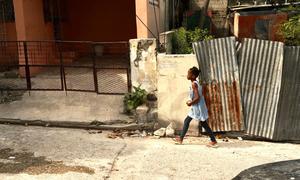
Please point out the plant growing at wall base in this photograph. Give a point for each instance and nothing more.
(134, 99)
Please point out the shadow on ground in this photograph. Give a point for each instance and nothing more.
(276, 171)
(25, 162)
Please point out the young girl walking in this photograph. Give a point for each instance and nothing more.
(198, 108)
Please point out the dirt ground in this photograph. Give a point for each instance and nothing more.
(58, 153)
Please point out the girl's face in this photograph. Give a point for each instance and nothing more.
(190, 75)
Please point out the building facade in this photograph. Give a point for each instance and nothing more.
(77, 20)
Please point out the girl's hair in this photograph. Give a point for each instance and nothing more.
(195, 71)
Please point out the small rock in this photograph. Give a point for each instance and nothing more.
(170, 130)
(137, 132)
(151, 97)
(135, 135)
(160, 132)
(240, 138)
(111, 136)
(226, 139)
(125, 134)
(292, 178)
(11, 157)
(150, 133)
(144, 133)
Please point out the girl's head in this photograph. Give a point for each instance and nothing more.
(193, 73)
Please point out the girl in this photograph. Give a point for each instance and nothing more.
(198, 108)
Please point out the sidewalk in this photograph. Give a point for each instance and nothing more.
(74, 109)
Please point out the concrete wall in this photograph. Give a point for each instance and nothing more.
(143, 63)
(172, 89)
(166, 76)
(98, 20)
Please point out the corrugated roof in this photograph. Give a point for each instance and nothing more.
(221, 87)
(260, 6)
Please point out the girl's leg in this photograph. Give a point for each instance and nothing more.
(186, 125)
(208, 130)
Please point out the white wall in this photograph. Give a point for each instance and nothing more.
(173, 88)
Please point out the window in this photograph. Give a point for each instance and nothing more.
(262, 29)
(54, 10)
(7, 13)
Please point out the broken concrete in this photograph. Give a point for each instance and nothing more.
(160, 132)
(141, 114)
(170, 130)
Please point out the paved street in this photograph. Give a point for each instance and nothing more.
(55, 153)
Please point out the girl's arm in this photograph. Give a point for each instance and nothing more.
(196, 98)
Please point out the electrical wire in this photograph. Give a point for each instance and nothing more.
(145, 26)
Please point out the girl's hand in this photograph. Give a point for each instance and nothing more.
(189, 103)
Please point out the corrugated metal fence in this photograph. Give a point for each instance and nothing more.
(266, 76)
(288, 115)
(260, 72)
(221, 86)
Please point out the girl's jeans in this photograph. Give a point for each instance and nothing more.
(204, 124)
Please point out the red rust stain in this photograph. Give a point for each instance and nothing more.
(234, 105)
(212, 93)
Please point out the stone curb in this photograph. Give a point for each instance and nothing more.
(81, 125)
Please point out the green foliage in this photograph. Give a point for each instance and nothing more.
(291, 31)
(134, 99)
(182, 39)
(179, 42)
(290, 8)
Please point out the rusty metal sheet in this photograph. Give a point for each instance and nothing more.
(221, 87)
(288, 116)
(260, 73)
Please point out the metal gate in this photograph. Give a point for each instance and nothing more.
(101, 67)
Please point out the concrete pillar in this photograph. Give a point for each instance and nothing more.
(30, 26)
(236, 25)
(143, 63)
(141, 18)
(147, 25)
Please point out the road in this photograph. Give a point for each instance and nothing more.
(56, 153)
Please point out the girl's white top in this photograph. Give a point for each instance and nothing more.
(198, 111)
